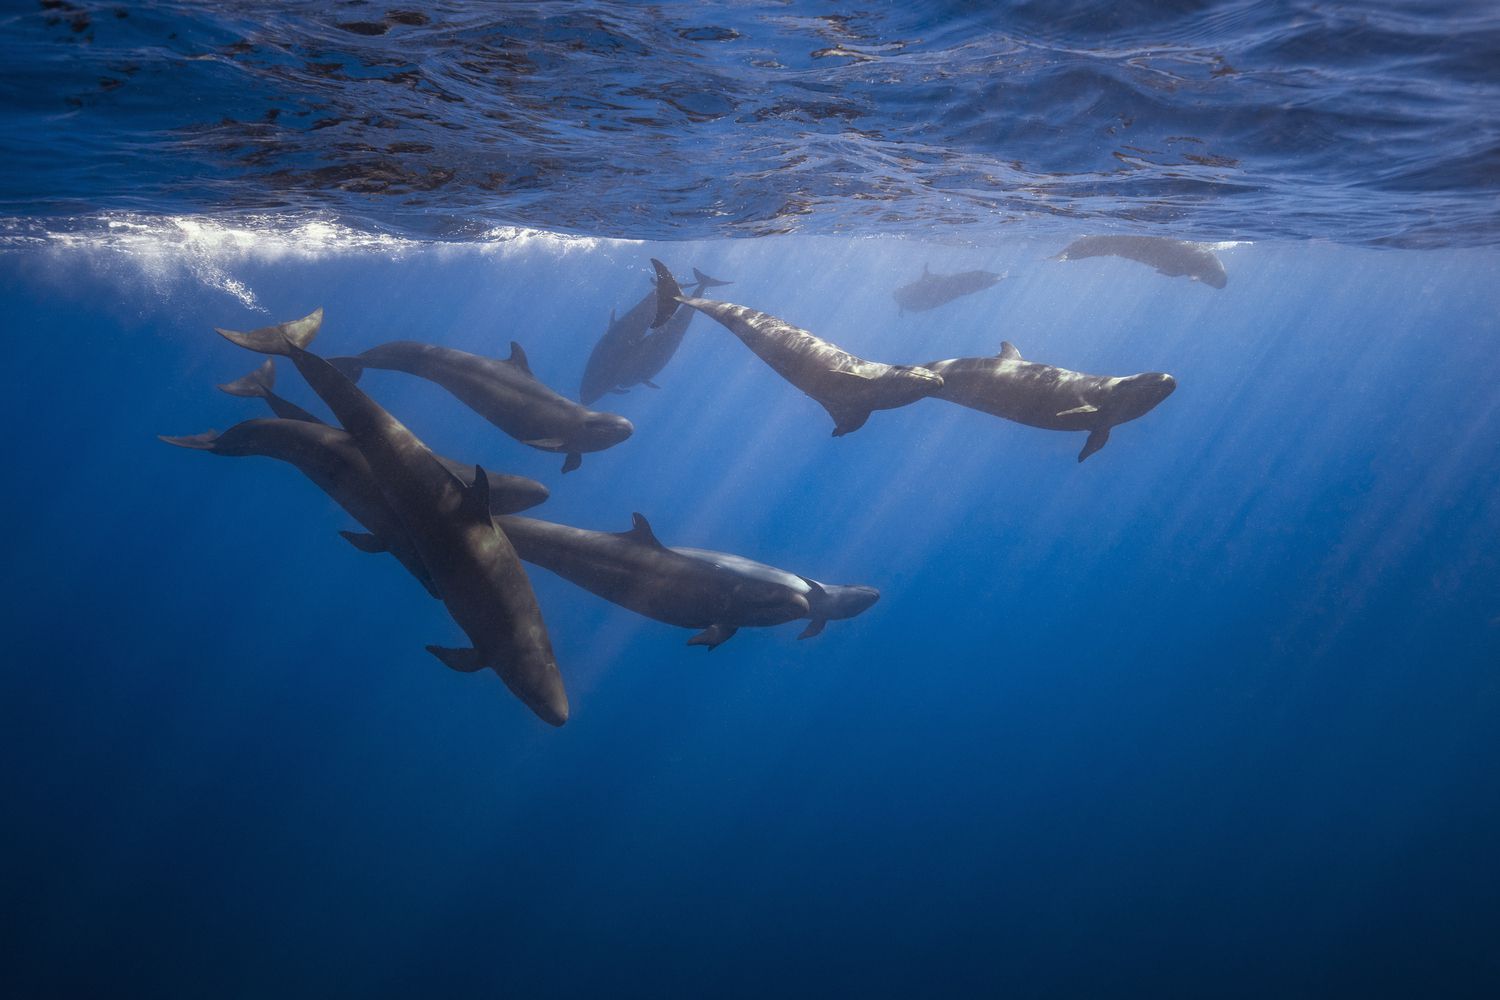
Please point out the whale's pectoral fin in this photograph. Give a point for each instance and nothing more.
(202, 442)
(545, 444)
(714, 636)
(364, 541)
(1098, 438)
(815, 628)
(650, 384)
(1008, 352)
(848, 423)
(573, 461)
(620, 392)
(465, 661)
(1079, 411)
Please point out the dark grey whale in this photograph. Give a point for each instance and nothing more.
(634, 570)
(472, 565)
(1052, 398)
(630, 353)
(505, 393)
(329, 457)
(933, 290)
(1174, 258)
(826, 601)
(849, 388)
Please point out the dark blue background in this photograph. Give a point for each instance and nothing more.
(1212, 713)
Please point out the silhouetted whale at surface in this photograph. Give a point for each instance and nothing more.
(933, 290)
(472, 565)
(329, 457)
(849, 388)
(505, 393)
(826, 601)
(636, 571)
(1052, 398)
(630, 353)
(1174, 258)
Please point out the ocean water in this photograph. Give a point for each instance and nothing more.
(1210, 714)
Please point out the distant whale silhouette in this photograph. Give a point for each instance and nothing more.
(1174, 258)
(1051, 398)
(636, 571)
(630, 353)
(473, 567)
(933, 290)
(826, 601)
(849, 388)
(505, 393)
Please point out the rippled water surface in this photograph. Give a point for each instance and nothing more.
(1372, 123)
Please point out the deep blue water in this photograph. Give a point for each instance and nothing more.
(1210, 714)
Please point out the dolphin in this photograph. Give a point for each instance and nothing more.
(849, 388)
(629, 353)
(1174, 258)
(826, 601)
(472, 566)
(505, 393)
(636, 571)
(1051, 398)
(933, 290)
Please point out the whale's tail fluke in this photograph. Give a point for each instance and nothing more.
(260, 384)
(257, 385)
(668, 293)
(704, 281)
(279, 339)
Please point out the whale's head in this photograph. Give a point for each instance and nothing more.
(1212, 273)
(1138, 395)
(910, 383)
(602, 430)
(841, 601)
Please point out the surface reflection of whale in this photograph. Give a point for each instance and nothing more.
(630, 353)
(826, 601)
(329, 457)
(473, 567)
(634, 570)
(849, 388)
(933, 290)
(1174, 258)
(505, 393)
(1049, 397)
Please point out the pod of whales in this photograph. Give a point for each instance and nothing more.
(630, 353)
(933, 290)
(505, 393)
(1048, 397)
(455, 528)
(471, 564)
(849, 388)
(634, 570)
(1174, 258)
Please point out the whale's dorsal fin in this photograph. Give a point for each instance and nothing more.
(640, 531)
(518, 358)
(1008, 352)
(477, 493)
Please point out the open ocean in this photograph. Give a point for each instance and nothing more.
(1214, 713)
